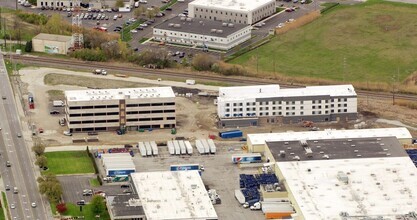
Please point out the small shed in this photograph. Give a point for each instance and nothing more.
(51, 43)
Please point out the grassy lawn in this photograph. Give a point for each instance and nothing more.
(69, 162)
(5, 205)
(171, 3)
(373, 40)
(74, 210)
(143, 39)
(127, 36)
(10, 66)
(94, 182)
(56, 95)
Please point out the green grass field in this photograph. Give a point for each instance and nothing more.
(373, 40)
(69, 162)
(74, 210)
(5, 205)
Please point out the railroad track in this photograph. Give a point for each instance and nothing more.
(160, 73)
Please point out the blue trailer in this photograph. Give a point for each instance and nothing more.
(184, 167)
(231, 134)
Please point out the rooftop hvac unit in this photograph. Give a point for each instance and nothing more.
(230, 25)
(213, 30)
(303, 142)
(188, 19)
(326, 156)
(224, 24)
(282, 153)
(182, 18)
(219, 31)
(296, 158)
(177, 25)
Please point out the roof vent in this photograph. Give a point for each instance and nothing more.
(303, 143)
(282, 153)
(219, 31)
(230, 25)
(201, 22)
(177, 25)
(213, 30)
(296, 158)
(224, 24)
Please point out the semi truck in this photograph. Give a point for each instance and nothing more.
(58, 103)
(185, 167)
(247, 158)
(231, 134)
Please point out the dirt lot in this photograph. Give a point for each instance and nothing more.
(196, 115)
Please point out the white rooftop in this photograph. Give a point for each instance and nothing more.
(116, 94)
(376, 187)
(235, 5)
(117, 160)
(400, 133)
(173, 195)
(267, 91)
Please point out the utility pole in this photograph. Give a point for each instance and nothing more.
(257, 60)
(344, 68)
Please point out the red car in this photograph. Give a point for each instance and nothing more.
(289, 9)
(40, 130)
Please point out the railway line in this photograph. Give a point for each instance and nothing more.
(164, 73)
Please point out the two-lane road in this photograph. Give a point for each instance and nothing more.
(13, 148)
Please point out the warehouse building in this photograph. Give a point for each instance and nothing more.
(125, 109)
(236, 11)
(268, 104)
(51, 43)
(257, 143)
(368, 173)
(117, 164)
(173, 195)
(202, 33)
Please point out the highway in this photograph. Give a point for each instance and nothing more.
(14, 149)
(166, 73)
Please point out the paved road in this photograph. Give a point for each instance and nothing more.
(14, 149)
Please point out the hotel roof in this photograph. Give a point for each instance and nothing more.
(269, 91)
(117, 94)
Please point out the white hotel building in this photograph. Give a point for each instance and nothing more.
(235, 11)
(111, 109)
(256, 105)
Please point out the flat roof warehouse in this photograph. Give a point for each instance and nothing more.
(173, 195)
(232, 5)
(399, 133)
(200, 26)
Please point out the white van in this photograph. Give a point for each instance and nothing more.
(136, 4)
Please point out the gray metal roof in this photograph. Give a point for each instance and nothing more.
(200, 26)
(120, 206)
(337, 149)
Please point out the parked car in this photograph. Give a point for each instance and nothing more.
(33, 205)
(169, 9)
(125, 186)
(81, 202)
(67, 133)
(8, 164)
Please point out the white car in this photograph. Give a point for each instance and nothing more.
(133, 31)
(115, 17)
(143, 25)
(67, 133)
(33, 205)
(12, 206)
(143, 1)
(181, 0)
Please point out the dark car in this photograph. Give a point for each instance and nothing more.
(125, 186)
(136, 49)
(54, 112)
(168, 9)
(81, 202)
(139, 28)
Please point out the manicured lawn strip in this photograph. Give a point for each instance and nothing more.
(69, 162)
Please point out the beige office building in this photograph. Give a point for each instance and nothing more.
(235, 11)
(111, 109)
